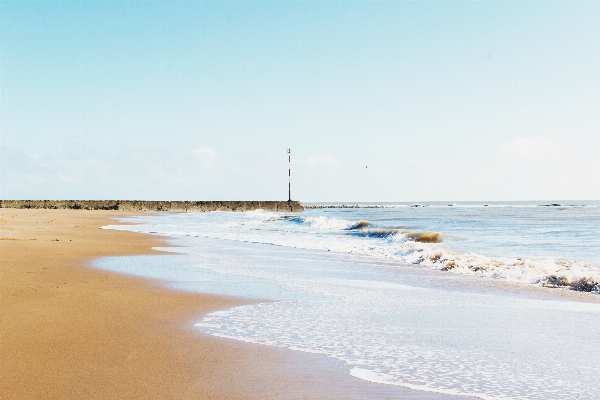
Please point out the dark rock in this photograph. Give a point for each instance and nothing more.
(143, 205)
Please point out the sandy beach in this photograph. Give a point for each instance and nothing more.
(71, 331)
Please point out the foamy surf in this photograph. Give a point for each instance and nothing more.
(387, 379)
(416, 248)
(569, 274)
(415, 327)
(427, 248)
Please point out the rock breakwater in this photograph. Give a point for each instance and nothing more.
(145, 205)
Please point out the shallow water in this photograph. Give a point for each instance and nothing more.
(355, 299)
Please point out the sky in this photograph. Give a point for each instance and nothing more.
(378, 101)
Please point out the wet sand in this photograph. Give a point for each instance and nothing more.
(68, 331)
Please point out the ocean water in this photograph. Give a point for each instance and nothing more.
(460, 299)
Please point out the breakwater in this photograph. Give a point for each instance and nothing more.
(145, 205)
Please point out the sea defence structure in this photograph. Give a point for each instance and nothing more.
(144, 205)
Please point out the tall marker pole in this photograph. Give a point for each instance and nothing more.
(289, 175)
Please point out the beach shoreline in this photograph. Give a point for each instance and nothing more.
(72, 331)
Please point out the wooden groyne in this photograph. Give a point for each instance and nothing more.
(144, 205)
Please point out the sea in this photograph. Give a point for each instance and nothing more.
(498, 300)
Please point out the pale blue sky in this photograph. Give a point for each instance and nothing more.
(200, 100)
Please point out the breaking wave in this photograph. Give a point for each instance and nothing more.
(421, 237)
(426, 249)
(423, 248)
(569, 274)
(363, 228)
(358, 225)
(321, 222)
(376, 233)
(426, 237)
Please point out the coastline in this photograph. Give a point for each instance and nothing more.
(72, 331)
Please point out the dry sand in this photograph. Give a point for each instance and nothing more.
(68, 331)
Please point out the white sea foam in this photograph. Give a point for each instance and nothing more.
(402, 245)
(388, 379)
(577, 275)
(405, 246)
(262, 215)
(325, 223)
(426, 339)
(392, 324)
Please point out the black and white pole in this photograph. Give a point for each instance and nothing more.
(289, 174)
